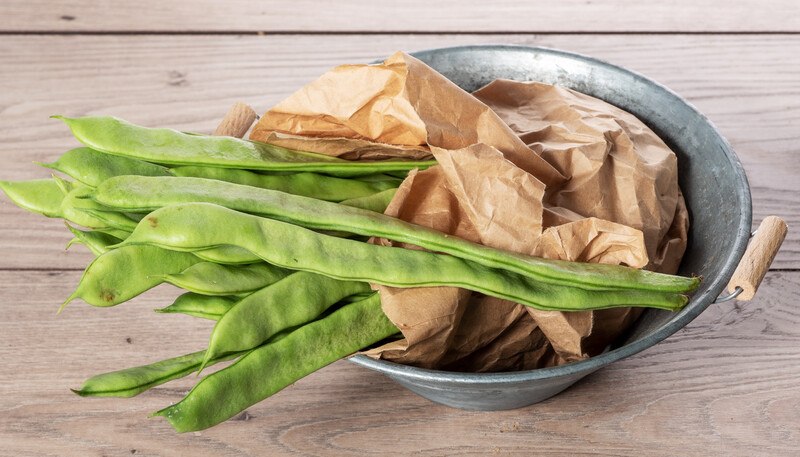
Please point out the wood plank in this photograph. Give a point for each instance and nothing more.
(724, 385)
(747, 85)
(409, 16)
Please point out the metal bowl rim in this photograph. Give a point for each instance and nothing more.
(696, 305)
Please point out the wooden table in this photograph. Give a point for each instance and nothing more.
(727, 384)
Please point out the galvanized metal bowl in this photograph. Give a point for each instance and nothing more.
(711, 177)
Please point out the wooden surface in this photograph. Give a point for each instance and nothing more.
(727, 384)
(504, 16)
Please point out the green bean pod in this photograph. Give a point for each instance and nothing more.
(203, 306)
(294, 300)
(269, 368)
(111, 219)
(41, 196)
(75, 208)
(228, 255)
(125, 272)
(97, 242)
(92, 167)
(307, 184)
(210, 278)
(133, 193)
(197, 226)
(376, 202)
(167, 146)
(133, 381)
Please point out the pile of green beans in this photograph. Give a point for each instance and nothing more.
(269, 244)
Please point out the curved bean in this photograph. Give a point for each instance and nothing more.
(210, 278)
(126, 271)
(142, 194)
(167, 146)
(133, 381)
(97, 242)
(41, 196)
(308, 184)
(193, 226)
(79, 206)
(294, 300)
(273, 366)
(228, 255)
(112, 219)
(376, 202)
(74, 208)
(92, 167)
(66, 186)
(203, 306)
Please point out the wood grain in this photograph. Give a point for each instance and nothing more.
(726, 385)
(237, 121)
(409, 16)
(747, 85)
(758, 257)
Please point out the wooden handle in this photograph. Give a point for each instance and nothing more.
(237, 122)
(758, 257)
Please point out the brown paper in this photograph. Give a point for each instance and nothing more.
(527, 167)
(400, 102)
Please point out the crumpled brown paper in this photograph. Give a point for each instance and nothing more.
(528, 167)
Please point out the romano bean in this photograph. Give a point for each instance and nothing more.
(375, 202)
(97, 242)
(294, 300)
(133, 381)
(275, 365)
(92, 167)
(228, 255)
(308, 184)
(74, 208)
(42, 196)
(65, 186)
(133, 193)
(125, 272)
(167, 146)
(203, 306)
(209, 278)
(197, 226)
(111, 219)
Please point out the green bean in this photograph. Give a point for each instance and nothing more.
(66, 186)
(209, 278)
(97, 242)
(77, 206)
(273, 366)
(166, 146)
(121, 234)
(125, 272)
(203, 306)
(143, 193)
(111, 219)
(378, 177)
(307, 184)
(92, 167)
(228, 255)
(74, 209)
(133, 381)
(294, 300)
(41, 196)
(194, 226)
(376, 202)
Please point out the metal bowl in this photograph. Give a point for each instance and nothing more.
(711, 178)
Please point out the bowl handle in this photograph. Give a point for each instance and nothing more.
(237, 121)
(760, 253)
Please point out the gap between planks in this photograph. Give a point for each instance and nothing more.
(384, 32)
